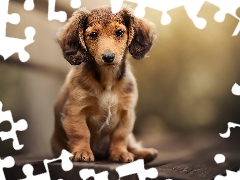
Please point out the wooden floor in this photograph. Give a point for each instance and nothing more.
(188, 158)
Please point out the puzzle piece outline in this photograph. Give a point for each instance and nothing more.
(20, 125)
(10, 45)
(66, 164)
(192, 8)
(87, 173)
(137, 167)
(7, 162)
(53, 15)
(219, 12)
(230, 175)
(228, 132)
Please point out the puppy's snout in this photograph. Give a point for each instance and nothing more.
(108, 57)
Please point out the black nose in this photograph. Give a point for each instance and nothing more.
(108, 57)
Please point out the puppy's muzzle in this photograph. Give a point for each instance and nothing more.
(108, 57)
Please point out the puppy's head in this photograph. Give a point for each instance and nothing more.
(105, 37)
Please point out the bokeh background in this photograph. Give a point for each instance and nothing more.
(184, 83)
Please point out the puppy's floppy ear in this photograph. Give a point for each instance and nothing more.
(141, 34)
(71, 38)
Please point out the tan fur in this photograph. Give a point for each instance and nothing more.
(95, 110)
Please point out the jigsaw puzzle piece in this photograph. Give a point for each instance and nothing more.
(230, 175)
(21, 125)
(231, 8)
(158, 5)
(13, 45)
(5, 17)
(28, 171)
(165, 7)
(192, 8)
(87, 173)
(66, 164)
(7, 162)
(225, 8)
(61, 15)
(137, 167)
(9, 46)
(230, 125)
(208, 11)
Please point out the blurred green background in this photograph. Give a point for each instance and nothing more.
(184, 83)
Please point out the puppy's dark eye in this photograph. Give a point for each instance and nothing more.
(93, 35)
(119, 33)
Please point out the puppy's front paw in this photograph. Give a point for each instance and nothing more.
(82, 155)
(118, 156)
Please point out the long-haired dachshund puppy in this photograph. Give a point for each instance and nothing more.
(95, 110)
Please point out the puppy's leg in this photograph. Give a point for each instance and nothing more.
(79, 137)
(59, 138)
(148, 154)
(119, 138)
(58, 144)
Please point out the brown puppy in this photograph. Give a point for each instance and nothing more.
(95, 111)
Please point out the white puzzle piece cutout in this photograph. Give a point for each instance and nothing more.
(87, 173)
(66, 164)
(230, 175)
(53, 15)
(137, 167)
(230, 125)
(7, 162)
(20, 125)
(9, 45)
(192, 8)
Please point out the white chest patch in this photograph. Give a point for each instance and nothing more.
(108, 105)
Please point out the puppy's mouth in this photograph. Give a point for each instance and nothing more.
(110, 64)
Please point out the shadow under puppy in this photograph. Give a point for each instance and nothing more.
(95, 110)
